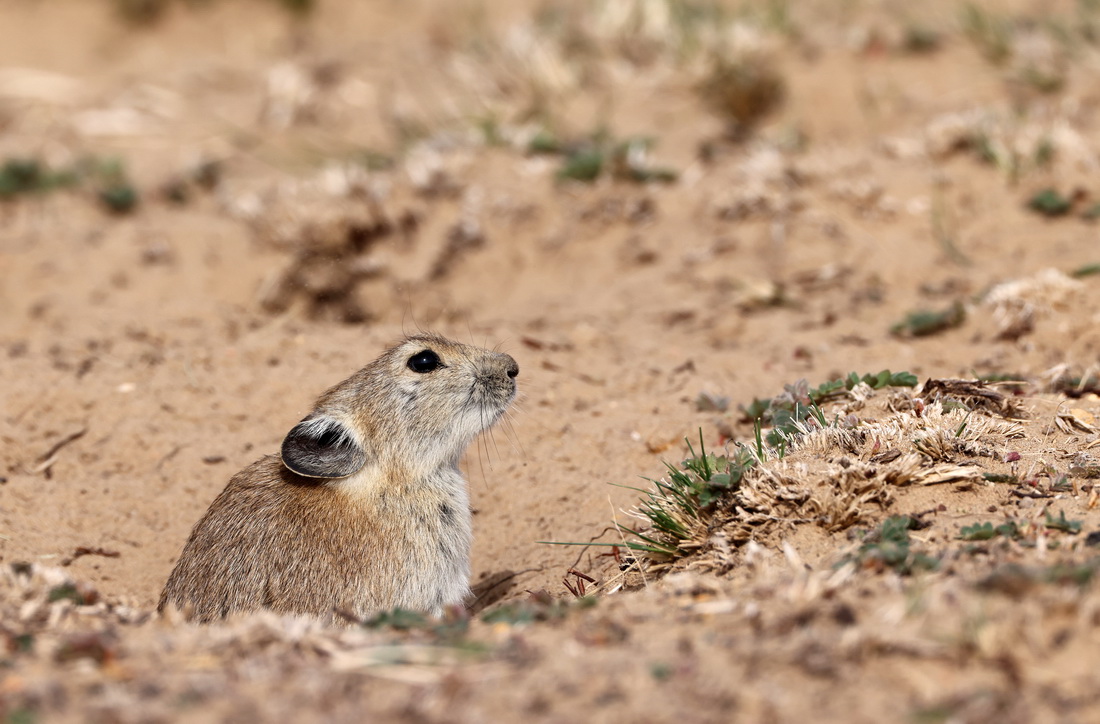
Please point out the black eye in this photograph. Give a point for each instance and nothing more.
(425, 361)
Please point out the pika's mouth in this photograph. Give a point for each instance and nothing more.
(494, 396)
(493, 393)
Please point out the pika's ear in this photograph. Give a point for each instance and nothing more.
(321, 447)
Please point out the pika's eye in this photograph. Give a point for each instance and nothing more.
(424, 362)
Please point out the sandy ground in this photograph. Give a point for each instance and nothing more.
(148, 356)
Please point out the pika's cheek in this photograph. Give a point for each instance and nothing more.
(408, 396)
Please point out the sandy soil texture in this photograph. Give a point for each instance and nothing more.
(211, 212)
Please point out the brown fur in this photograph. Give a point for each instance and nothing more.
(392, 531)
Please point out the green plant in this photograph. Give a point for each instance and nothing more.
(924, 322)
(1011, 577)
(398, 618)
(660, 670)
(21, 716)
(19, 176)
(962, 426)
(23, 643)
(1077, 573)
(146, 12)
(920, 40)
(301, 7)
(600, 154)
(1061, 523)
(66, 592)
(1049, 202)
(539, 606)
(582, 165)
(1087, 270)
(787, 412)
(888, 546)
(449, 630)
(678, 507)
(544, 142)
(987, 531)
(1061, 485)
(113, 186)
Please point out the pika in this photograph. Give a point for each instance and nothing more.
(364, 509)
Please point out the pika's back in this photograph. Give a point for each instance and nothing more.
(364, 510)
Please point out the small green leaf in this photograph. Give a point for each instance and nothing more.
(978, 531)
(720, 480)
(398, 618)
(1049, 202)
(660, 671)
(583, 165)
(65, 592)
(119, 198)
(512, 613)
(903, 379)
(544, 142)
(1087, 270)
(1062, 524)
(924, 322)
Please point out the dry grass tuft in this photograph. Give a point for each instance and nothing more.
(838, 476)
(532, 72)
(1018, 304)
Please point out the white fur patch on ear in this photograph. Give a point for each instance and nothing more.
(322, 447)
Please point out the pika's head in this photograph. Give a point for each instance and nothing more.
(417, 407)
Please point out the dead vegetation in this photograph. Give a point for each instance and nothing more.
(957, 434)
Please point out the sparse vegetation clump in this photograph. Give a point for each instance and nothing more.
(24, 176)
(144, 12)
(921, 39)
(987, 531)
(682, 507)
(1049, 202)
(106, 177)
(889, 546)
(1021, 530)
(112, 185)
(788, 413)
(926, 322)
(833, 470)
(590, 159)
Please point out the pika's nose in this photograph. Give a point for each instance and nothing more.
(510, 367)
